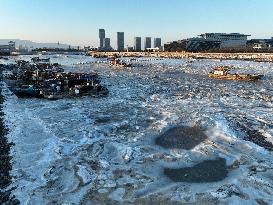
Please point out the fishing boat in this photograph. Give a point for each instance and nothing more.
(28, 91)
(40, 60)
(88, 89)
(51, 95)
(118, 63)
(222, 72)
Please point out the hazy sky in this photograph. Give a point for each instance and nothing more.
(77, 21)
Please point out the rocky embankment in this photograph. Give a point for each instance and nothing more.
(6, 197)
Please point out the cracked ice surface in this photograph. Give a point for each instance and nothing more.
(103, 151)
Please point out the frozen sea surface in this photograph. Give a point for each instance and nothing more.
(102, 150)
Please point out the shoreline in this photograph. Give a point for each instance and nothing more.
(6, 196)
(258, 57)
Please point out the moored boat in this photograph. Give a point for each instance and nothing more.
(52, 95)
(28, 91)
(222, 72)
(118, 63)
(40, 60)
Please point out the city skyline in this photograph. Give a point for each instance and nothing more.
(77, 22)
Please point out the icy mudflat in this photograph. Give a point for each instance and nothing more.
(106, 151)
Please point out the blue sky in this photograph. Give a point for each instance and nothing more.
(77, 21)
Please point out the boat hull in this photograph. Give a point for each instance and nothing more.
(235, 77)
(25, 94)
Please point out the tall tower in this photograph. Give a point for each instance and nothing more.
(137, 43)
(101, 36)
(106, 44)
(148, 42)
(157, 42)
(120, 41)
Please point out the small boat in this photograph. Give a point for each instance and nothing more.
(95, 90)
(222, 72)
(102, 91)
(52, 94)
(117, 63)
(40, 60)
(28, 91)
(122, 65)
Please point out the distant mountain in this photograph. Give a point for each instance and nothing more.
(32, 44)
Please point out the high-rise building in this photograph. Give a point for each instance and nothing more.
(137, 43)
(120, 41)
(157, 42)
(148, 42)
(101, 36)
(106, 44)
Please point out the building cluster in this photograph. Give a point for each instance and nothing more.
(105, 44)
(217, 41)
(207, 41)
(261, 44)
(202, 43)
(7, 49)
